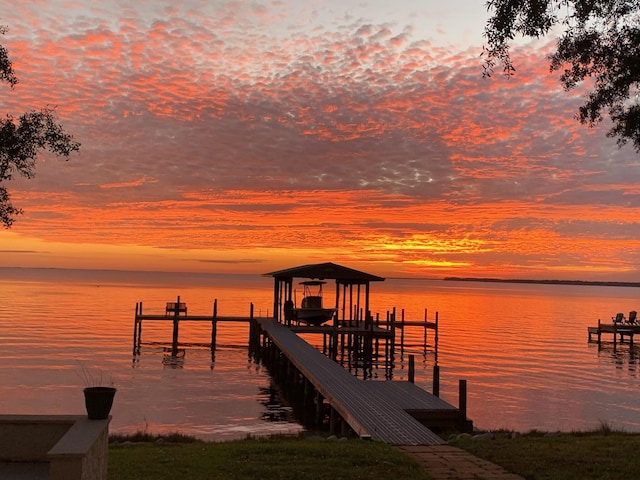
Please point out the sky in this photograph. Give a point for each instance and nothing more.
(252, 136)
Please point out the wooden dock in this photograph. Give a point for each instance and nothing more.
(176, 312)
(619, 332)
(354, 343)
(395, 412)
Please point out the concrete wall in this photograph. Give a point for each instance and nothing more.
(30, 437)
(75, 447)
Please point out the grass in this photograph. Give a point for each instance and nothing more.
(280, 459)
(602, 454)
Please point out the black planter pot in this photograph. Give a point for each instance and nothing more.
(98, 401)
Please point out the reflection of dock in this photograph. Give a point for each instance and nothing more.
(619, 332)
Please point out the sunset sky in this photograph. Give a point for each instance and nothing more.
(251, 136)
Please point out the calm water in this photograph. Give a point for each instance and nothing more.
(522, 348)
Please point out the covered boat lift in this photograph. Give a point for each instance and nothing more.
(352, 290)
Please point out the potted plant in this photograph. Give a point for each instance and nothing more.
(98, 398)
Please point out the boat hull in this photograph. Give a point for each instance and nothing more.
(314, 316)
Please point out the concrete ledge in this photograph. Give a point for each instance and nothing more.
(75, 447)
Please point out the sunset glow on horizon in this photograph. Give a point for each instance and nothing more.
(231, 136)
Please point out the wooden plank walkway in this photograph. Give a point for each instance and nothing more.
(373, 409)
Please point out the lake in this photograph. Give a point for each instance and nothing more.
(521, 347)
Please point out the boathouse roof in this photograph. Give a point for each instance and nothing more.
(328, 270)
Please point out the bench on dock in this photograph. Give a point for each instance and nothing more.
(176, 308)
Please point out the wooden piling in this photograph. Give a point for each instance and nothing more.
(462, 399)
(214, 325)
(436, 380)
(425, 330)
(135, 330)
(402, 328)
(412, 368)
(436, 337)
(176, 323)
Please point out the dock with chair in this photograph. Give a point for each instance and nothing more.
(323, 382)
(622, 329)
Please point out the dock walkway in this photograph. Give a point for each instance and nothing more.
(373, 409)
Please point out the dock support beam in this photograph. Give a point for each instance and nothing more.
(462, 400)
(137, 329)
(214, 325)
(412, 368)
(436, 380)
(176, 323)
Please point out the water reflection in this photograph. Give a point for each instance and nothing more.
(625, 357)
(173, 358)
(276, 408)
(522, 349)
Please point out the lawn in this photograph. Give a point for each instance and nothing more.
(601, 455)
(261, 459)
(568, 456)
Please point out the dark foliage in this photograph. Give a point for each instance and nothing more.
(22, 140)
(599, 41)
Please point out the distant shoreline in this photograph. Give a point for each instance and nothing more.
(545, 282)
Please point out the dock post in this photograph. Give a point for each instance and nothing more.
(174, 343)
(412, 368)
(425, 330)
(392, 350)
(436, 336)
(252, 330)
(599, 333)
(377, 341)
(387, 343)
(332, 419)
(135, 330)
(402, 326)
(252, 319)
(436, 380)
(334, 341)
(319, 409)
(139, 329)
(462, 393)
(214, 325)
